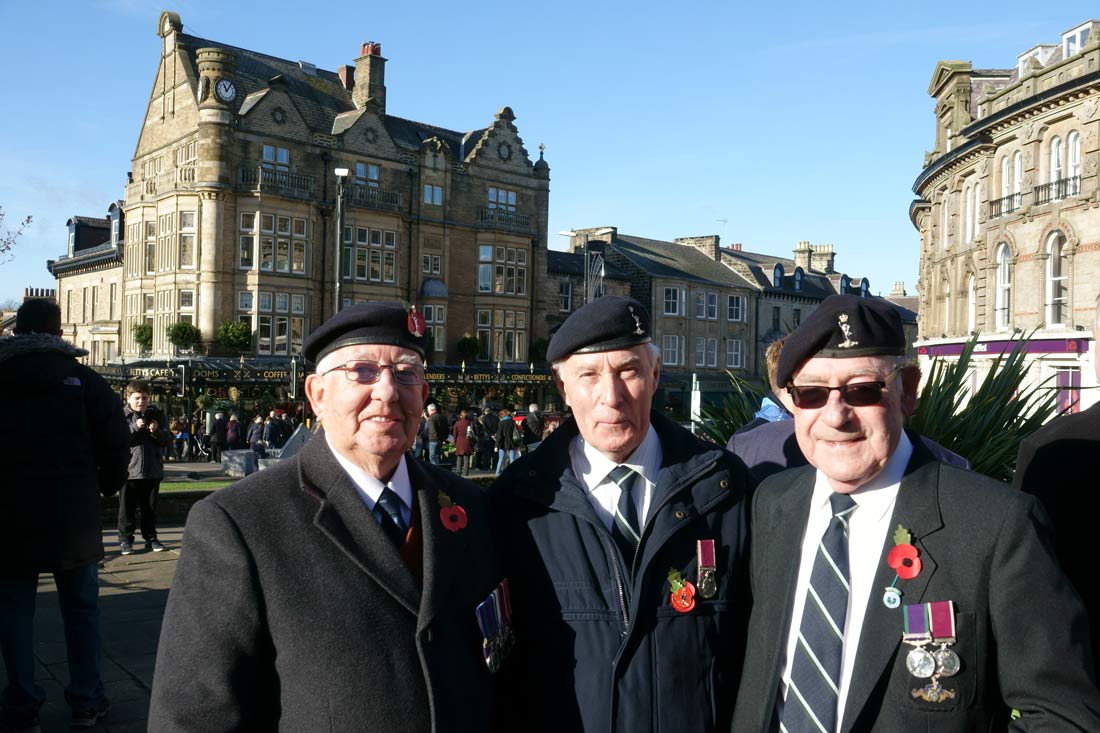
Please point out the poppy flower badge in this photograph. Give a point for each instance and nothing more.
(904, 560)
(452, 515)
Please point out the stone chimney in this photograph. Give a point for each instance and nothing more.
(899, 289)
(802, 255)
(347, 76)
(822, 258)
(708, 245)
(370, 77)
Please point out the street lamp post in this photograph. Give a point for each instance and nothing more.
(341, 176)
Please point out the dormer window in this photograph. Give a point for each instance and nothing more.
(114, 230)
(72, 242)
(798, 274)
(845, 283)
(864, 288)
(1073, 41)
(777, 276)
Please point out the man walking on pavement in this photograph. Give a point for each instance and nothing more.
(623, 537)
(50, 508)
(437, 433)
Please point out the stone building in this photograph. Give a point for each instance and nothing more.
(1007, 211)
(231, 211)
(565, 282)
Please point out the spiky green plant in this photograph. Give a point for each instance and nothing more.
(988, 429)
(736, 408)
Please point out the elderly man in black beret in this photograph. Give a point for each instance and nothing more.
(624, 536)
(350, 587)
(891, 591)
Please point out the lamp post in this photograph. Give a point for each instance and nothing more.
(341, 176)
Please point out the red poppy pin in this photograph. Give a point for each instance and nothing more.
(682, 595)
(904, 558)
(452, 515)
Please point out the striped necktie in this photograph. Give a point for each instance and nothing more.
(625, 531)
(387, 510)
(811, 702)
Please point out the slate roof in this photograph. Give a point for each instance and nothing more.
(815, 284)
(92, 221)
(668, 259)
(320, 96)
(572, 263)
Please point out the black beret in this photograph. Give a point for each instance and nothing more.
(381, 322)
(843, 326)
(607, 323)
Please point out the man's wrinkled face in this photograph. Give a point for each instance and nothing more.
(610, 393)
(138, 401)
(851, 445)
(370, 424)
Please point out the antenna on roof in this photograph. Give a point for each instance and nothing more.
(724, 222)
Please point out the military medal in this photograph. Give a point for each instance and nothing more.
(708, 571)
(682, 596)
(942, 614)
(919, 661)
(504, 606)
(489, 623)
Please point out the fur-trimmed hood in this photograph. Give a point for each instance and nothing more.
(35, 343)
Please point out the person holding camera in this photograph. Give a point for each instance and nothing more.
(139, 495)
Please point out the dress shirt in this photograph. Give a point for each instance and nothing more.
(370, 488)
(593, 467)
(868, 527)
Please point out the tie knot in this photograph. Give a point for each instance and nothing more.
(621, 475)
(391, 502)
(842, 505)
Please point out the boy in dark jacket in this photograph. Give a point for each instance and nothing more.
(139, 495)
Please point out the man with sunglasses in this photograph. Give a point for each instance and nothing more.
(892, 591)
(340, 590)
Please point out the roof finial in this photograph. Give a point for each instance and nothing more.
(542, 149)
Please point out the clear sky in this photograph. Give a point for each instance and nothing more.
(764, 122)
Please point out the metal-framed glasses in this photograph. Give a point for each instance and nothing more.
(369, 372)
(859, 394)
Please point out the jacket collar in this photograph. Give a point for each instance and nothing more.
(36, 343)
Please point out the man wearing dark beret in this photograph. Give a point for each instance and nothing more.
(347, 587)
(623, 536)
(891, 591)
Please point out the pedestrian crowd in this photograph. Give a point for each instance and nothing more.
(828, 570)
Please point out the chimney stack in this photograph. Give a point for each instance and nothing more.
(822, 258)
(802, 256)
(347, 76)
(370, 77)
(708, 245)
(899, 289)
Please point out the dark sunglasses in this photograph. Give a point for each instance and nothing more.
(369, 372)
(860, 394)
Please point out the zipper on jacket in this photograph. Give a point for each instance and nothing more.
(619, 583)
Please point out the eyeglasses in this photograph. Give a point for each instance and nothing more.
(860, 394)
(369, 372)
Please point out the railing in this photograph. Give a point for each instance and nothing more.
(185, 174)
(259, 178)
(506, 220)
(372, 197)
(1056, 190)
(1005, 205)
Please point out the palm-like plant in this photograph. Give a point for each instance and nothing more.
(988, 430)
(736, 408)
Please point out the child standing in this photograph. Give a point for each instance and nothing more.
(139, 494)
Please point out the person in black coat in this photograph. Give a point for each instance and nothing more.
(50, 508)
(347, 587)
(219, 437)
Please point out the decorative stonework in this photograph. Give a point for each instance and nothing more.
(1028, 132)
(1087, 111)
(279, 116)
(1090, 164)
(370, 135)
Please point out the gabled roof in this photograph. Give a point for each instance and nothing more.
(815, 284)
(572, 263)
(91, 221)
(668, 259)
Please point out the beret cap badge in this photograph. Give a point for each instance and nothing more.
(638, 330)
(847, 343)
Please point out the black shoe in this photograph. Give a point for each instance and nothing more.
(154, 545)
(126, 548)
(88, 718)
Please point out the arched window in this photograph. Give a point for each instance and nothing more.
(777, 276)
(798, 275)
(977, 210)
(1002, 304)
(1017, 174)
(943, 219)
(1056, 170)
(971, 304)
(864, 288)
(968, 216)
(1073, 168)
(1057, 280)
(845, 283)
(1006, 177)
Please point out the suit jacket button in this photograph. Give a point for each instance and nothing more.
(680, 515)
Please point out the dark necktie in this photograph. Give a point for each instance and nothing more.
(625, 530)
(815, 670)
(387, 510)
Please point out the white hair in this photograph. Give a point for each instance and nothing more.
(532, 407)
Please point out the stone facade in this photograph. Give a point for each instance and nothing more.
(231, 208)
(1007, 211)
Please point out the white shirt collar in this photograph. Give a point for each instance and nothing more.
(370, 488)
(592, 467)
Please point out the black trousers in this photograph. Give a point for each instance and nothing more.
(139, 495)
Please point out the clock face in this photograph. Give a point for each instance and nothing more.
(225, 90)
(504, 150)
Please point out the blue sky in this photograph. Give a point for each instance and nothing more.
(789, 121)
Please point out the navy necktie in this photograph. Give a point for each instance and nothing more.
(813, 693)
(626, 529)
(387, 510)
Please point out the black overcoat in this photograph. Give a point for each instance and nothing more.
(291, 610)
(1022, 633)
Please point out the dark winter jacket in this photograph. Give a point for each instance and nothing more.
(532, 428)
(437, 428)
(63, 442)
(255, 433)
(219, 432)
(146, 457)
(595, 650)
(506, 434)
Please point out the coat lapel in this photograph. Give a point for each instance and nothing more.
(346, 521)
(918, 510)
(444, 550)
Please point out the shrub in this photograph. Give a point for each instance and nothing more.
(143, 336)
(184, 335)
(235, 335)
